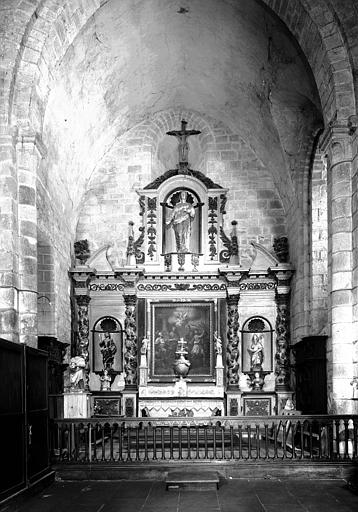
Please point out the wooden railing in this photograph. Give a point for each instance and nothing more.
(122, 440)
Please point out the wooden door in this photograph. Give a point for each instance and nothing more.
(311, 375)
(37, 413)
(12, 419)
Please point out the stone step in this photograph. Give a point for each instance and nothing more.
(192, 481)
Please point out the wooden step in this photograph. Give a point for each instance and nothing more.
(192, 481)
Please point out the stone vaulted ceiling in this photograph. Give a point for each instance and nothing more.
(232, 61)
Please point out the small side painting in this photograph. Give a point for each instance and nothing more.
(107, 345)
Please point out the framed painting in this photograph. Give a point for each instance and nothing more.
(194, 323)
(107, 346)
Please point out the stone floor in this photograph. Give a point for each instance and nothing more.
(234, 495)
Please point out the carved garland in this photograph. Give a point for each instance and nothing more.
(151, 228)
(232, 350)
(282, 369)
(83, 331)
(110, 287)
(257, 286)
(212, 231)
(181, 287)
(130, 354)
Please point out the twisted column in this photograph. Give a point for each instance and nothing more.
(282, 367)
(232, 348)
(130, 327)
(83, 331)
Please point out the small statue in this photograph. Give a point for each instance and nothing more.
(143, 351)
(181, 220)
(289, 405)
(145, 343)
(121, 383)
(105, 381)
(108, 349)
(256, 351)
(218, 344)
(77, 375)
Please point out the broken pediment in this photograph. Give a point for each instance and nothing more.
(262, 258)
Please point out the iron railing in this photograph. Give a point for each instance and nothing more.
(121, 440)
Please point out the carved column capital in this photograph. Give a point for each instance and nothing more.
(336, 141)
(233, 299)
(81, 277)
(83, 300)
(130, 299)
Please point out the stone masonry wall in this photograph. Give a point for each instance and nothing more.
(319, 247)
(111, 200)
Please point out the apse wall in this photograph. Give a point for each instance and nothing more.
(111, 201)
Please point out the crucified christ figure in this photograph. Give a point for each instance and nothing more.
(182, 135)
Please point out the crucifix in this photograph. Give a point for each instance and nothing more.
(182, 136)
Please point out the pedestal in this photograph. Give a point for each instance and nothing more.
(129, 403)
(233, 402)
(282, 397)
(76, 405)
(143, 375)
(219, 373)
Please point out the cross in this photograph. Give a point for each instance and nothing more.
(182, 136)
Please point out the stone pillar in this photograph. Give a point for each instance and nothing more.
(8, 237)
(353, 124)
(130, 327)
(29, 150)
(336, 143)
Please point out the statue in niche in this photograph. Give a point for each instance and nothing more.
(108, 350)
(181, 220)
(256, 351)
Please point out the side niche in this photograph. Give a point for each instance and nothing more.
(107, 346)
(257, 346)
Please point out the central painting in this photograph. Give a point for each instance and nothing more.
(191, 322)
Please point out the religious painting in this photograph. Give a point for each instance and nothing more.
(107, 346)
(182, 221)
(256, 345)
(182, 328)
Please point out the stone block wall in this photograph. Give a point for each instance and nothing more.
(319, 247)
(111, 200)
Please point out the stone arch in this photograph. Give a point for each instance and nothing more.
(316, 29)
(53, 26)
